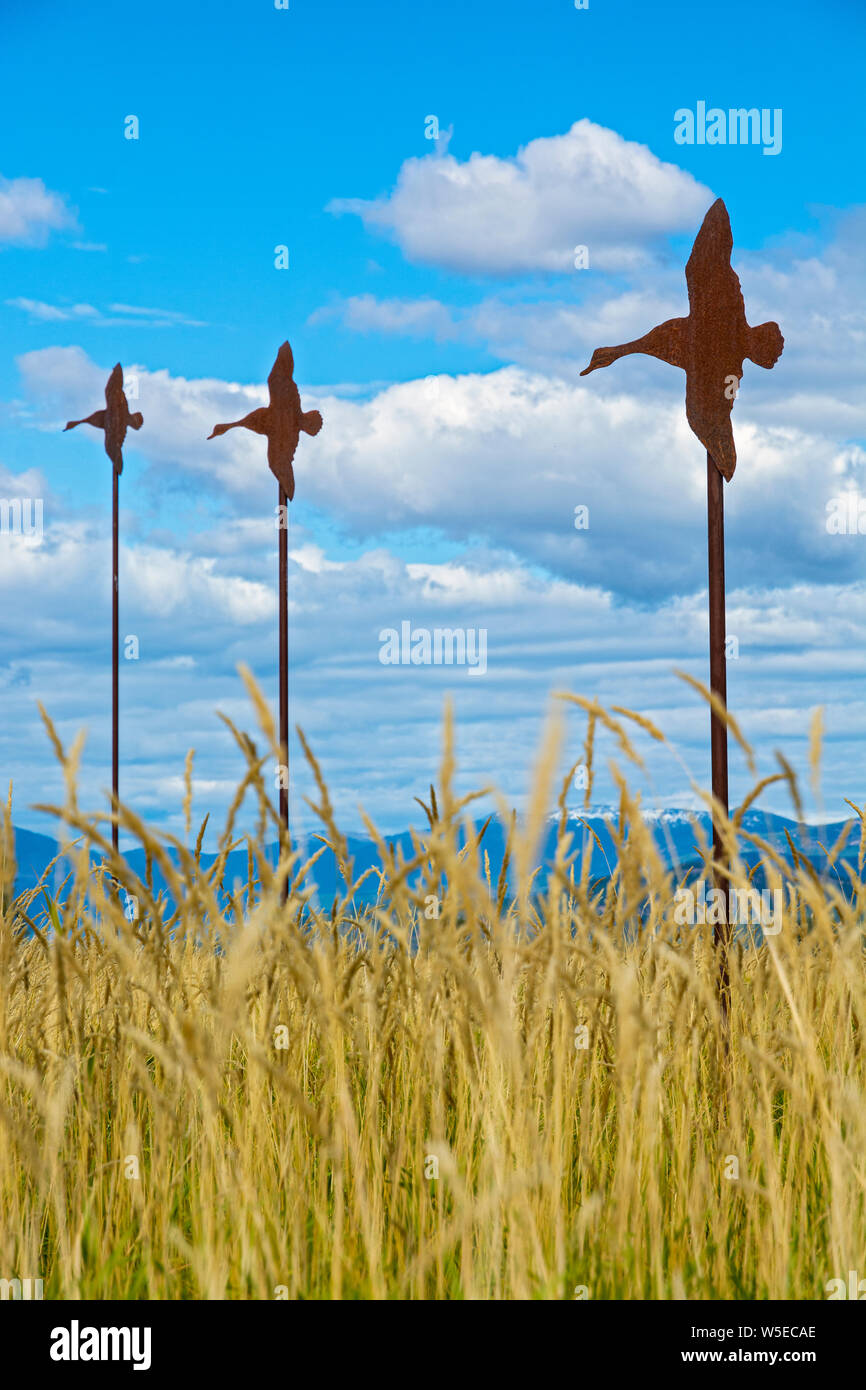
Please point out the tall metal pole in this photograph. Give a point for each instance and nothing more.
(115, 655)
(719, 687)
(284, 658)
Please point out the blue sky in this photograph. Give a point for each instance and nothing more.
(307, 128)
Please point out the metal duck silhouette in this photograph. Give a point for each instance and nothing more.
(711, 344)
(114, 419)
(282, 421)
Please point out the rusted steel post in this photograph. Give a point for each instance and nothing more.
(719, 687)
(115, 419)
(115, 652)
(284, 660)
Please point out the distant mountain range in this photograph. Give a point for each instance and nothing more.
(676, 834)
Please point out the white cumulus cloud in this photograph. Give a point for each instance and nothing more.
(493, 216)
(29, 212)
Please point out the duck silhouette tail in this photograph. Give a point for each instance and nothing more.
(311, 421)
(766, 344)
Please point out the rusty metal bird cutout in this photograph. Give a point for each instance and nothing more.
(282, 421)
(711, 344)
(114, 419)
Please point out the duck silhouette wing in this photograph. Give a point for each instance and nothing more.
(281, 454)
(281, 383)
(115, 380)
(713, 284)
(114, 448)
(708, 412)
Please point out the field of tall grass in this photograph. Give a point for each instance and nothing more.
(479, 1089)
